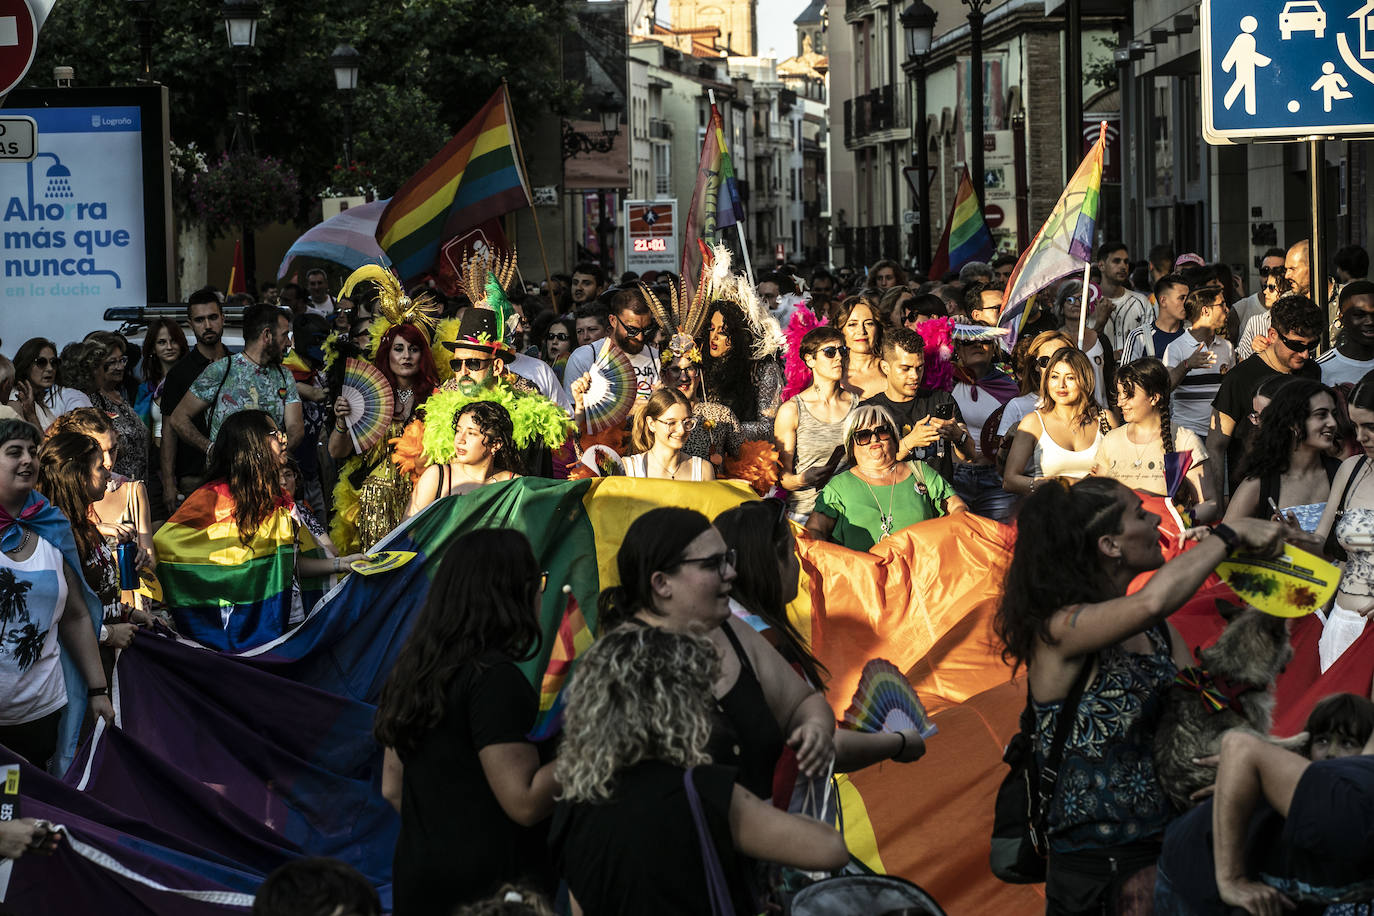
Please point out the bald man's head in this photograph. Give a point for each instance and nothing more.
(1298, 269)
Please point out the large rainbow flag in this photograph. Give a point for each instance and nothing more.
(966, 237)
(223, 593)
(476, 176)
(1064, 244)
(715, 197)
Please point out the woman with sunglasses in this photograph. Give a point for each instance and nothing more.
(676, 572)
(662, 425)
(809, 433)
(100, 373)
(716, 431)
(38, 396)
(483, 453)
(981, 391)
(1030, 357)
(1061, 436)
(559, 340)
(879, 495)
(471, 788)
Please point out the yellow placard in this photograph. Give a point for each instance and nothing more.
(1293, 585)
(383, 561)
(12, 779)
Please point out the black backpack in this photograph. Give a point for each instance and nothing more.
(1019, 842)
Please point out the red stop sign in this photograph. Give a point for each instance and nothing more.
(993, 215)
(18, 41)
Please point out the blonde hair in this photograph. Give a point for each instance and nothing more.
(659, 403)
(1085, 408)
(640, 693)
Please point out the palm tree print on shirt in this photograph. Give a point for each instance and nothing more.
(26, 643)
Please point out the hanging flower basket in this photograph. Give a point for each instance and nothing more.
(356, 179)
(245, 191)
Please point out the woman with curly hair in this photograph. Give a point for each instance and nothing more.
(1288, 465)
(41, 393)
(730, 376)
(237, 565)
(639, 788)
(453, 717)
(163, 345)
(659, 434)
(675, 572)
(100, 374)
(1133, 453)
(1060, 437)
(1066, 616)
(483, 452)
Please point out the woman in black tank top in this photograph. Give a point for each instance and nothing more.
(675, 572)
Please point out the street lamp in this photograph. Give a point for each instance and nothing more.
(608, 110)
(241, 29)
(975, 34)
(918, 22)
(143, 18)
(345, 61)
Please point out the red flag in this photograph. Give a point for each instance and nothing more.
(236, 281)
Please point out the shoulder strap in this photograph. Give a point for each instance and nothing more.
(214, 398)
(1269, 489)
(739, 648)
(717, 889)
(1345, 492)
(1068, 712)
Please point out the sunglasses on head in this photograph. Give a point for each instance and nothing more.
(43, 362)
(865, 436)
(831, 351)
(471, 365)
(1297, 346)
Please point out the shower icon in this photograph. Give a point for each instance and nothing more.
(59, 182)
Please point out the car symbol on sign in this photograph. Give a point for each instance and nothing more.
(1302, 16)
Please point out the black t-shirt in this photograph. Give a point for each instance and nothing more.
(639, 853)
(1234, 399)
(456, 844)
(909, 413)
(190, 461)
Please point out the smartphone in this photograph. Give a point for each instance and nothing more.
(944, 411)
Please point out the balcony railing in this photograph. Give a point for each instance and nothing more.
(869, 113)
(660, 129)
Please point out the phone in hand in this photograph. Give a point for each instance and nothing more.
(944, 411)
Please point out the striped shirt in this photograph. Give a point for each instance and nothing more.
(1338, 369)
(1141, 343)
(1257, 326)
(1191, 404)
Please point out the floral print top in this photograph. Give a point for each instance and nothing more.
(1108, 793)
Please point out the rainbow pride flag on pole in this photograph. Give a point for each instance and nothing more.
(224, 593)
(966, 237)
(477, 176)
(1064, 244)
(715, 198)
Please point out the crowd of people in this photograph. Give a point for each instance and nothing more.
(236, 475)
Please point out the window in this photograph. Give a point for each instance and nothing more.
(663, 170)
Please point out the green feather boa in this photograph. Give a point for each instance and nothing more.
(532, 416)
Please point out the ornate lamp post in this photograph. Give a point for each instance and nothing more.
(918, 23)
(241, 29)
(143, 19)
(345, 62)
(975, 33)
(608, 109)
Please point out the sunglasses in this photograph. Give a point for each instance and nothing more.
(630, 330)
(471, 365)
(682, 370)
(832, 351)
(43, 362)
(1298, 346)
(865, 436)
(1273, 271)
(559, 335)
(717, 561)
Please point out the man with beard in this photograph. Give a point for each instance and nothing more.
(588, 282)
(251, 380)
(924, 419)
(182, 463)
(631, 323)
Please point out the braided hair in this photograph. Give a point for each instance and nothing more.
(1149, 375)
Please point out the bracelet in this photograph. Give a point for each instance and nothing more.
(336, 564)
(339, 427)
(901, 750)
(1228, 536)
(98, 692)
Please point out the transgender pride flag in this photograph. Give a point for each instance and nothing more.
(1064, 245)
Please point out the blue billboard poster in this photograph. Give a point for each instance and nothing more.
(74, 221)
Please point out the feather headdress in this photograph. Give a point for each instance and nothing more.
(682, 317)
(486, 277)
(394, 305)
(767, 335)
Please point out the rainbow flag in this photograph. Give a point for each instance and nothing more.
(477, 176)
(1064, 244)
(715, 198)
(966, 237)
(223, 593)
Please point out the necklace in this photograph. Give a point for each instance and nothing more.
(1139, 452)
(884, 518)
(22, 544)
(404, 395)
(671, 475)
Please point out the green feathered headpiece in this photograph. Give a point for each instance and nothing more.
(533, 417)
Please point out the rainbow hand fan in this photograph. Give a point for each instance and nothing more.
(885, 702)
(611, 393)
(372, 404)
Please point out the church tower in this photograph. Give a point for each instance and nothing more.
(736, 19)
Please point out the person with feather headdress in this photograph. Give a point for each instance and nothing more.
(371, 496)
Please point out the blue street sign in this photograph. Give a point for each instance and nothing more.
(1287, 69)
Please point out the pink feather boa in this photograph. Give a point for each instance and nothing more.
(797, 377)
(938, 336)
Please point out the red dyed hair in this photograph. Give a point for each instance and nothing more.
(428, 378)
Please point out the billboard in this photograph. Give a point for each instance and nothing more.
(651, 235)
(76, 232)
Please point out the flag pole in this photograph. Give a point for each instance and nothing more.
(534, 211)
(1083, 302)
(739, 224)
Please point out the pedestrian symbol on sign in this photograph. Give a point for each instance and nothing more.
(1331, 85)
(1245, 60)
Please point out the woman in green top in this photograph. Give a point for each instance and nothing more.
(878, 494)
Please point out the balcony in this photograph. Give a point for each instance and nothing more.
(870, 113)
(659, 129)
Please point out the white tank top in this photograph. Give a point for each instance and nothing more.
(1051, 459)
(638, 466)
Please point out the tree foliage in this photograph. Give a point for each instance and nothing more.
(427, 66)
